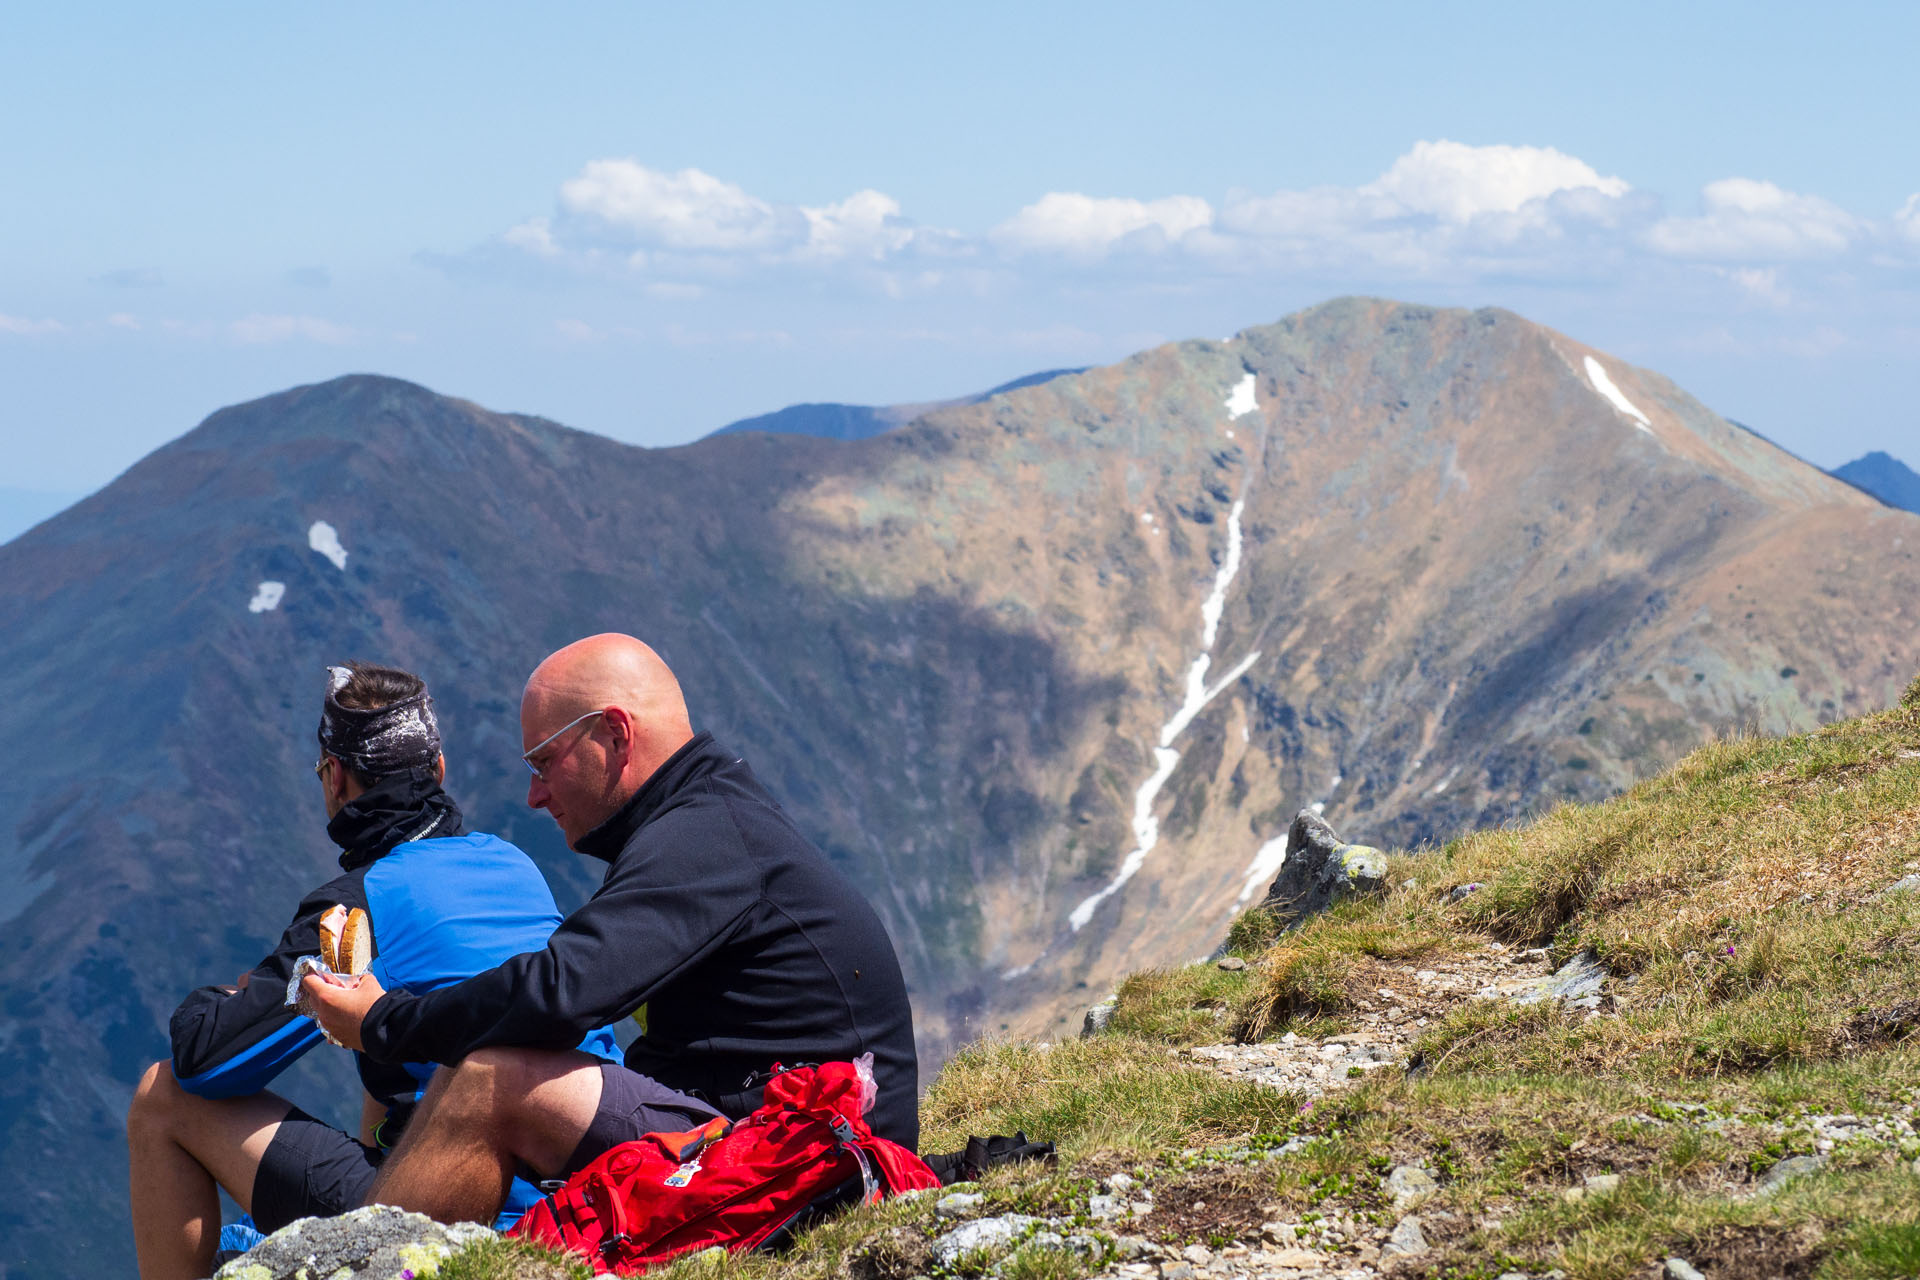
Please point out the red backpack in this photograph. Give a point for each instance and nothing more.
(736, 1184)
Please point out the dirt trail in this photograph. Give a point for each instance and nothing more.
(1402, 1001)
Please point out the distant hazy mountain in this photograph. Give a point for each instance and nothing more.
(858, 421)
(1048, 674)
(1885, 477)
(21, 509)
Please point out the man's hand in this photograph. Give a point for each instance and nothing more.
(340, 1004)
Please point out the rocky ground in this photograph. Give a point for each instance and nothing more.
(1135, 1236)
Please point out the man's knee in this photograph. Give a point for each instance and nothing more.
(155, 1097)
(530, 1100)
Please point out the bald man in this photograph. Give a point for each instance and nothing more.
(745, 945)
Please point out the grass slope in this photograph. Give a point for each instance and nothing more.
(1762, 980)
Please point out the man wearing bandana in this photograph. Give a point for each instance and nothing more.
(443, 904)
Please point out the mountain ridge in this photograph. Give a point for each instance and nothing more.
(834, 421)
(1423, 553)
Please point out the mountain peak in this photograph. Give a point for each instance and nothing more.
(1885, 477)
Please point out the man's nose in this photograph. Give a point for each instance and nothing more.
(537, 793)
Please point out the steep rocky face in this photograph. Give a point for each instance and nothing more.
(1048, 674)
(1428, 570)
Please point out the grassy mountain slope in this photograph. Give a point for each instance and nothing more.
(1763, 972)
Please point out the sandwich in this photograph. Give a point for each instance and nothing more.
(346, 940)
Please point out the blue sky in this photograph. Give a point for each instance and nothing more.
(648, 221)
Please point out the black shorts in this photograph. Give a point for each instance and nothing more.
(310, 1170)
(630, 1105)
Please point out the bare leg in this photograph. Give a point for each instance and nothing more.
(481, 1119)
(179, 1147)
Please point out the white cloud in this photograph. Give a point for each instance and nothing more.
(1443, 213)
(1744, 219)
(1067, 222)
(533, 235)
(576, 330)
(688, 210)
(866, 224)
(1760, 283)
(1457, 182)
(1908, 219)
(124, 320)
(264, 329)
(24, 327)
(620, 216)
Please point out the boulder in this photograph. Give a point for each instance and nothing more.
(1320, 869)
(378, 1242)
(1098, 1016)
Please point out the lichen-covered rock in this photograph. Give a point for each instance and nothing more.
(1098, 1016)
(1407, 1240)
(982, 1233)
(1410, 1185)
(378, 1242)
(1320, 869)
(1576, 984)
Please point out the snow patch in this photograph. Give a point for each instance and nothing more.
(1146, 827)
(1240, 400)
(1217, 599)
(325, 539)
(1597, 375)
(267, 597)
(1265, 866)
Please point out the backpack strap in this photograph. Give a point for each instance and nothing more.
(850, 1142)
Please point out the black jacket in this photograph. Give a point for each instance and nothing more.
(745, 945)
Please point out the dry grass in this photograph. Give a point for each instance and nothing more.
(1110, 1093)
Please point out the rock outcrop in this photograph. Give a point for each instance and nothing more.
(378, 1242)
(1320, 869)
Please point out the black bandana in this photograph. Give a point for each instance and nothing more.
(399, 736)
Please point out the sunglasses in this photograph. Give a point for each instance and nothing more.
(540, 770)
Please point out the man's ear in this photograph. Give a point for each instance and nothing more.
(621, 729)
(337, 784)
(440, 769)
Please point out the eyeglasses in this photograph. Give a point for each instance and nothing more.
(540, 770)
(320, 765)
